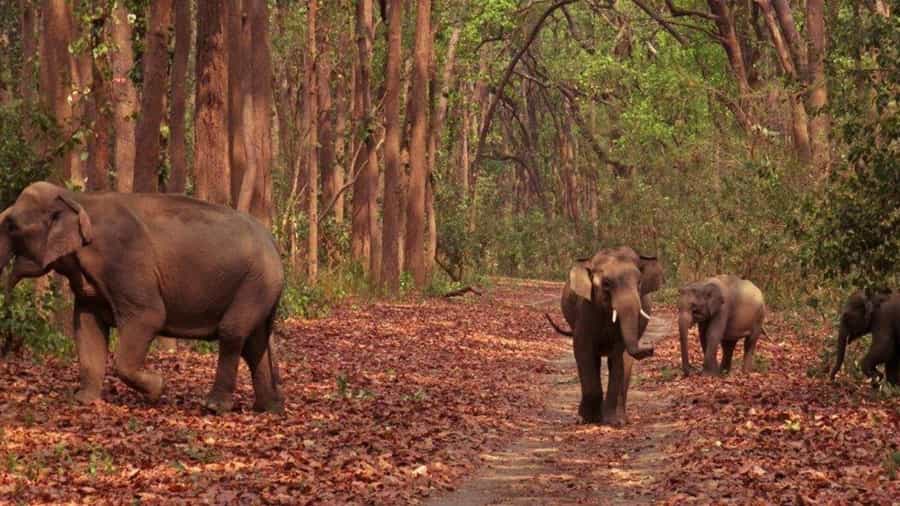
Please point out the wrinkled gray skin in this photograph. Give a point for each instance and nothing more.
(613, 279)
(877, 313)
(726, 309)
(152, 265)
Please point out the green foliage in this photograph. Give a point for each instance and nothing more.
(21, 128)
(853, 235)
(29, 317)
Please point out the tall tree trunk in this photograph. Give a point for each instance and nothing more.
(393, 184)
(57, 76)
(97, 170)
(258, 125)
(156, 73)
(799, 118)
(341, 113)
(462, 173)
(325, 117)
(364, 187)
(312, 170)
(238, 83)
(29, 51)
(438, 116)
(177, 141)
(124, 98)
(418, 147)
(820, 124)
(212, 168)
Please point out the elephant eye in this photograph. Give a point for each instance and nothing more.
(56, 214)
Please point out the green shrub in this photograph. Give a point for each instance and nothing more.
(29, 317)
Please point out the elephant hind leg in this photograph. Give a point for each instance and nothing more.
(248, 313)
(727, 354)
(892, 369)
(259, 355)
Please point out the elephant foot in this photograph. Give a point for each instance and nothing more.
(218, 404)
(711, 373)
(275, 406)
(155, 387)
(87, 395)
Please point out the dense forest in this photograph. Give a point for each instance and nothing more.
(401, 142)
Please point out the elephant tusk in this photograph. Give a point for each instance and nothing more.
(614, 315)
(644, 314)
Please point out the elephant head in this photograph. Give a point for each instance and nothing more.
(43, 225)
(856, 321)
(614, 281)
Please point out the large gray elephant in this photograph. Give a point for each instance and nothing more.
(603, 302)
(152, 264)
(726, 309)
(878, 313)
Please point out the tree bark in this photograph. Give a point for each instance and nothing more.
(259, 142)
(125, 99)
(325, 118)
(97, 170)
(365, 186)
(341, 113)
(312, 171)
(799, 117)
(156, 73)
(178, 142)
(393, 185)
(58, 73)
(418, 148)
(238, 77)
(212, 166)
(438, 117)
(28, 24)
(820, 124)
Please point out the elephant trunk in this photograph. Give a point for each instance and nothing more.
(843, 337)
(685, 321)
(627, 307)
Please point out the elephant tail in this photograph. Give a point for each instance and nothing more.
(557, 327)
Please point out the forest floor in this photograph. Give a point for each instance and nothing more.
(470, 400)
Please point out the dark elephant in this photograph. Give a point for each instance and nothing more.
(603, 302)
(726, 309)
(152, 264)
(878, 313)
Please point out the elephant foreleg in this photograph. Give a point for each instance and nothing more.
(701, 334)
(628, 363)
(91, 343)
(612, 413)
(591, 406)
(134, 342)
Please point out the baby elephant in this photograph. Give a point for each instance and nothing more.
(878, 313)
(726, 309)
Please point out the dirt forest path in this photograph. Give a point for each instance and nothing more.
(559, 461)
(770, 436)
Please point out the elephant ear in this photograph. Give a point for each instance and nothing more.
(651, 274)
(581, 281)
(714, 298)
(70, 229)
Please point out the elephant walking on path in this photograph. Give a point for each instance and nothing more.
(152, 264)
(605, 303)
(726, 309)
(877, 313)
